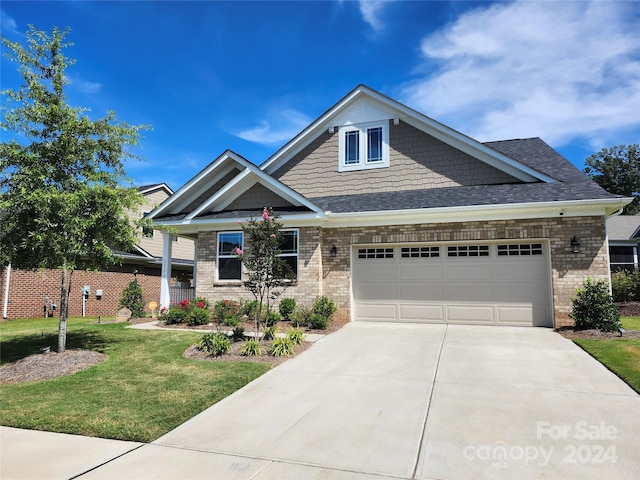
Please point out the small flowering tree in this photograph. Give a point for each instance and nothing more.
(267, 274)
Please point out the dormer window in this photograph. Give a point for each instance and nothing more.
(364, 146)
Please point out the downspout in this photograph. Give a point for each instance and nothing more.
(6, 292)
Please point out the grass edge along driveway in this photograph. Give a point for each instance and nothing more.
(144, 390)
(620, 355)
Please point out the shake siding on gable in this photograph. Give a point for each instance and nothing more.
(256, 196)
(417, 160)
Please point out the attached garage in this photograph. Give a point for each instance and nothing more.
(471, 283)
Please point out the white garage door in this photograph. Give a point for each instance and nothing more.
(498, 283)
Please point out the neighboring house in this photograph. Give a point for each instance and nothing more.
(397, 217)
(27, 293)
(624, 237)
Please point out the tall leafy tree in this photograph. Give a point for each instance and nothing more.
(617, 170)
(64, 195)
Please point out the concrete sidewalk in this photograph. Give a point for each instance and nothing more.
(375, 401)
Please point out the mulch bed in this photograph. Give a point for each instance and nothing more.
(234, 355)
(569, 332)
(50, 365)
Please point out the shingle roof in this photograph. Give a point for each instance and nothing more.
(623, 227)
(572, 184)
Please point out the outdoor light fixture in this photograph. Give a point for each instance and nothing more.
(621, 331)
(575, 245)
(334, 251)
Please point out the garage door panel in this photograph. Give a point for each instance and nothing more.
(529, 268)
(381, 312)
(532, 292)
(420, 292)
(466, 291)
(514, 314)
(377, 270)
(470, 313)
(421, 313)
(376, 291)
(467, 269)
(420, 271)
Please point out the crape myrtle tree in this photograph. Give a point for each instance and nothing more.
(267, 274)
(64, 197)
(617, 170)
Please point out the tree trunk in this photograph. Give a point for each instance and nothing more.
(65, 290)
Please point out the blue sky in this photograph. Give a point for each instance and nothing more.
(248, 76)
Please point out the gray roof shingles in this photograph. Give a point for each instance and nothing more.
(571, 184)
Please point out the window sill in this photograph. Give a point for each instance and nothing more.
(229, 283)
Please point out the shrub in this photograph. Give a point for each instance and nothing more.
(272, 318)
(231, 320)
(176, 313)
(133, 299)
(201, 302)
(238, 333)
(296, 336)
(318, 322)
(625, 286)
(325, 307)
(215, 343)
(249, 308)
(286, 307)
(300, 317)
(198, 316)
(270, 332)
(282, 347)
(251, 347)
(225, 308)
(594, 307)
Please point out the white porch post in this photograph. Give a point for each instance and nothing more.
(167, 244)
(195, 266)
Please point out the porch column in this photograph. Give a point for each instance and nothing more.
(167, 244)
(195, 267)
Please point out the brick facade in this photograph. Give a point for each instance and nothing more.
(28, 290)
(321, 274)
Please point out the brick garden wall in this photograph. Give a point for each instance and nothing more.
(28, 290)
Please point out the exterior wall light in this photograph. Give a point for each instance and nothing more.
(575, 245)
(334, 251)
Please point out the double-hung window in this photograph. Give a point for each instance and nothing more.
(364, 146)
(229, 267)
(289, 250)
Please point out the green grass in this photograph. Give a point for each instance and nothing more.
(631, 323)
(145, 389)
(620, 355)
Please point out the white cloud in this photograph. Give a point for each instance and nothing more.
(282, 125)
(558, 70)
(85, 86)
(7, 23)
(371, 10)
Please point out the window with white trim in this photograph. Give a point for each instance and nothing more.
(289, 250)
(364, 146)
(229, 267)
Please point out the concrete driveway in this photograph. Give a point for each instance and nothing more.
(396, 401)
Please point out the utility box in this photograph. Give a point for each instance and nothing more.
(99, 294)
(86, 290)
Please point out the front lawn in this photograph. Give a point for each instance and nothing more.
(620, 355)
(145, 389)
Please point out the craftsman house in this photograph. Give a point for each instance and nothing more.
(397, 217)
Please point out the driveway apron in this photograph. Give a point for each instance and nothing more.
(385, 400)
